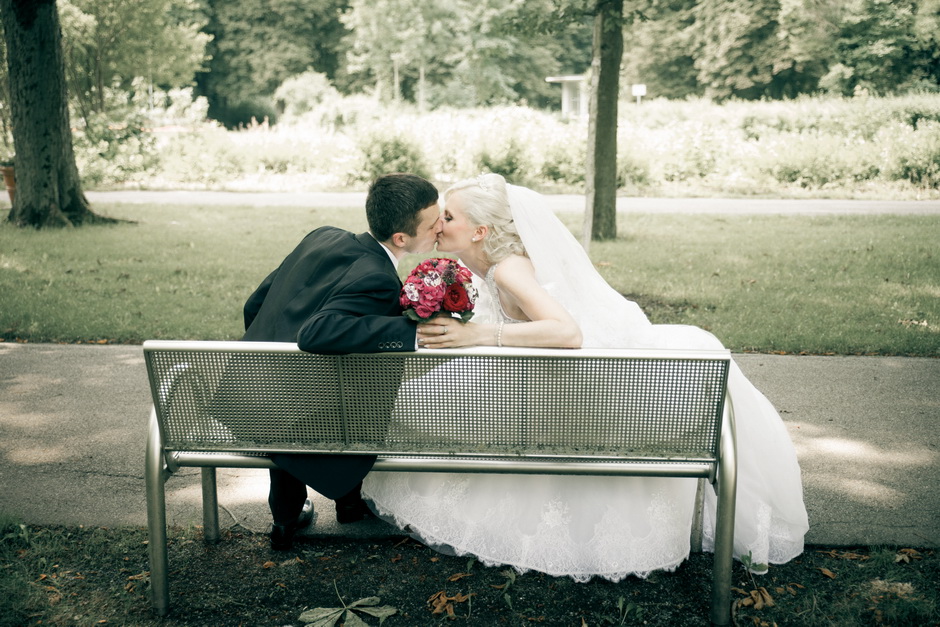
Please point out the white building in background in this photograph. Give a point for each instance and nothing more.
(574, 95)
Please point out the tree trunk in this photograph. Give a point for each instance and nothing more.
(600, 216)
(48, 189)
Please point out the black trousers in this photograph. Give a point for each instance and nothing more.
(336, 477)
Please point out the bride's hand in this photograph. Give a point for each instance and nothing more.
(441, 332)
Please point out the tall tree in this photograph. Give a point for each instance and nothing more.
(465, 52)
(48, 191)
(872, 50)
(736, 47)
(600, 217)
(257, 44)
(110, 43)
(657, 49)
(927, 48)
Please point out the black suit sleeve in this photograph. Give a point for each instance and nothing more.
(362, 317)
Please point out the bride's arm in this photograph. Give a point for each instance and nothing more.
(550, 326)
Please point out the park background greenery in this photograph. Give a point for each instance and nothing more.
(767, 97)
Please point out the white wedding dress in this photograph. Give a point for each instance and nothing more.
(610, 527)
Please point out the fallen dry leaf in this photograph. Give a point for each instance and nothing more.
(758, 598)
(459, 576)
(827, 573)
(440, 603)
(844, 555)
(906, 555)
(268, 564)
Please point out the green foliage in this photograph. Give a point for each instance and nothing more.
(258, 44)
(110, 43)
(206, 157)
(632, 172)
(872, 49)
(783, 48)
(823, 147)
(563, 163)
(508, 159)
(382, 154)
(459, 54)
(304, 93)
(916, 155)
(110, 151)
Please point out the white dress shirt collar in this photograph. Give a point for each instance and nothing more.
(387, 251)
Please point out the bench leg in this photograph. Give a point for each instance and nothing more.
(210, 506)
(724, 525)
(156, 520)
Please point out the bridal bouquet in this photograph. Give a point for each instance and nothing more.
(438, 285)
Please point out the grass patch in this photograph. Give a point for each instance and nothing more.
(94, 576)
(813, 284)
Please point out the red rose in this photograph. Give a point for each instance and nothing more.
(456, 299)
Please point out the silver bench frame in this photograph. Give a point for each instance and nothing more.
(165, 455)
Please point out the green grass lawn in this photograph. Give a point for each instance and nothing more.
(825, 284)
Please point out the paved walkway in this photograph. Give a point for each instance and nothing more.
(73, 423)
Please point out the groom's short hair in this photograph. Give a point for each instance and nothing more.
(394, 202)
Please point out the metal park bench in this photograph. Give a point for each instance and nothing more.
(490, 410)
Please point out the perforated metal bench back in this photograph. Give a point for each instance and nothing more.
(248, 397)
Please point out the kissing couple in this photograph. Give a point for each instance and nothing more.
(338, 292)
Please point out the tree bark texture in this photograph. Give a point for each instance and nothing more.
(600, 217)
(48, 188)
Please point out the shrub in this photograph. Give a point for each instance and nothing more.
(915, 156)
(394, 153)
(632, 172)
(814, 161)
(110, 151)
(508, 160)
(207, 156)
(303, 93)
(564, 164)
(246, 112)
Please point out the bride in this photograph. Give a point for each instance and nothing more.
(539, 288)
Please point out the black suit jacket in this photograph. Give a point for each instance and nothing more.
(336, 293)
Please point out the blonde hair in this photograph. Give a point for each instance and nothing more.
(487, 204)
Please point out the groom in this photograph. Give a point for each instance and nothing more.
(338, 293)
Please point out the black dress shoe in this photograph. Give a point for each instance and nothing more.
(351, 508)
(282, 536)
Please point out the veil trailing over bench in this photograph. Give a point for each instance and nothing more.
(610, 527)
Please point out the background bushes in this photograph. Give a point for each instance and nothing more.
(844, 147)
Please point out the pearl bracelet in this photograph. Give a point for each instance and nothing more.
(499, 333)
